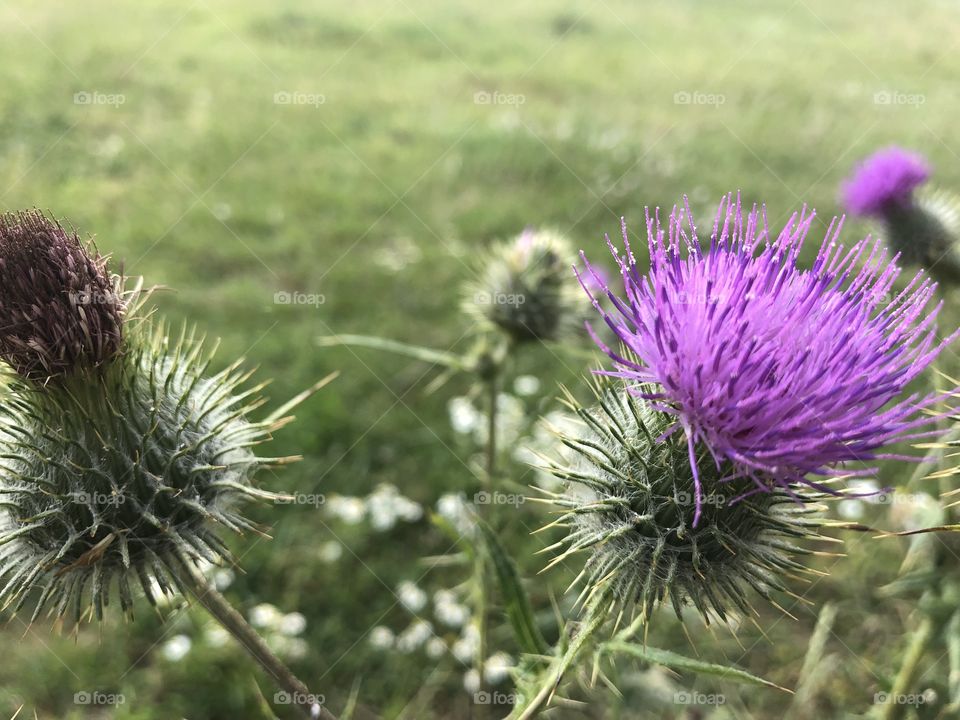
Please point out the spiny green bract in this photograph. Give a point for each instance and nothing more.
(527, 290)
(629, 502)
(926, 232)
(121, 474)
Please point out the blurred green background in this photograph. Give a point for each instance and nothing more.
(365, 152)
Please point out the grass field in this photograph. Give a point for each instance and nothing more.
(364, 153)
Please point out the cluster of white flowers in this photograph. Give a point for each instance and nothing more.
(176, 648)
(281, 630)
(467, 419)
(329, 552)
(496, 669)
(448, 610)
(411, 596)
(465, 648)
(414, 637)
(457, 510)
(384, 507)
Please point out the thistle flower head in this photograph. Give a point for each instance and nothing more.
(629, 503)
(884, 180)
(524, 288)
(920, 223)
(60, 310)
(780, 371)
(118, 477)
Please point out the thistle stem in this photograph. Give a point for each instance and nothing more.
(236, 625)
(492, 386)
(892, 710)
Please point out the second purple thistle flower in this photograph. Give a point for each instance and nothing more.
(783, 372)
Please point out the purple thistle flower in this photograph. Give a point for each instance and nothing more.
(883, 180)
(781, 371)
(60, 308)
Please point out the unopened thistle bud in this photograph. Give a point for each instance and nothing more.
(920, 223)
(60, 310)
(525, 289)
(114, 478)
(630, 503)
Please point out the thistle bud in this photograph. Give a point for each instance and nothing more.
(920, 223)
(526, 290)
(119, 477)
(60, 309)
(630, 502)
(123, 477)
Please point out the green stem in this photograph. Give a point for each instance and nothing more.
(892, 710)
(953, 651)
(555, 672)
(491, 430)
(236, 625)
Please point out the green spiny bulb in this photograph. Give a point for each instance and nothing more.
(926, 232)
(629, 502)
(119, 469)
(527, 289)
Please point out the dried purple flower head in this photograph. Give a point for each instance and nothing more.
(60, 309)
(885, 179)
(781, 371)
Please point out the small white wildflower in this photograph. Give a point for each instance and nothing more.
(464, 417)
(451, 614)
(223, 578)
(471, 681)
(465, 648)
(330, 551)
(411, 597)
(436, 647)
(292, 624)
(408, 510)
(850, 509)
(497, 668)
(414, 636)
(264, 615)
(526, 385)
(382, 637)
(176, 648)
(382, 507)
(453, 508)
(350, 510)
